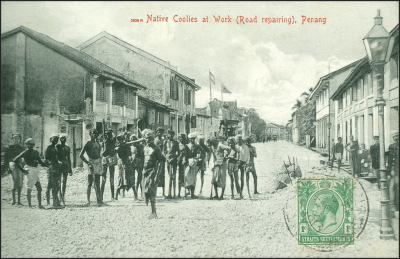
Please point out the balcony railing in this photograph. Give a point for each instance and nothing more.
(129, 113)
(101, 108)
(116, 110)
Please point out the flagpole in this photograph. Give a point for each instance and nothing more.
(210, 84)
(222, 94)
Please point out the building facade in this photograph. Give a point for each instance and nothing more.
(165, 85)
(324, 105)
(274, 130)
(49, 87)
(355, 110)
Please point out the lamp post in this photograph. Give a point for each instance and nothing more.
(329, 142)
(376, 44)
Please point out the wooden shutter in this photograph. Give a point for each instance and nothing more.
(185, 95)
(172, 88)
(176, 90)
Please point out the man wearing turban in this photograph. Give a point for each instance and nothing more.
(32, 160)
(17, 176)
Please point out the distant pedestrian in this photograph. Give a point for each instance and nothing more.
(352, 147)
(393, 170)
(92, 150)
(32, 160)
(339, 152)
(375, 156)
(17, 175)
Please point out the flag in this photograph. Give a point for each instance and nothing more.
(212, 78)
(224, 89)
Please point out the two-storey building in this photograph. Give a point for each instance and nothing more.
(355, 110)
(325, 108)
(49, 87)
(165, 85)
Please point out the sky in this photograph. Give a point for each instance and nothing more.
(265, 66)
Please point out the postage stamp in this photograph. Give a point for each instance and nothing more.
(325, 213)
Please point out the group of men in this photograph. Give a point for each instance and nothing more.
(20, 161)
(149, 157)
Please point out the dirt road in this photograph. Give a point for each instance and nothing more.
(186, 228)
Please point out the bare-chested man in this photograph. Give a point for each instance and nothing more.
(137, 163)
(17, 175)
(159, 141)
(64, 156)
(202, 164)
(152, 159)
(171, 152)
(182, 162)
(109, 161)
(32, 159)
(53, 173)
(92, 149)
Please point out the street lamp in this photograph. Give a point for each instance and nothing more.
(376, 44)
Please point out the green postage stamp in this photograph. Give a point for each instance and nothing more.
(325, 211)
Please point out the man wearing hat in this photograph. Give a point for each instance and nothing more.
(92, 150)
(109, 161)
(171, 152)
(182, 162)
(193, 156)
(159, 141)
(64, 156)
(152, 159)
(17, 175)
(375, 156)
(53, 173)
(393, 170)
(32, 160)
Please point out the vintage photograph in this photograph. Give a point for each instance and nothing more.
(199, 129)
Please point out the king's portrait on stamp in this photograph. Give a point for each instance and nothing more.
(325, 211)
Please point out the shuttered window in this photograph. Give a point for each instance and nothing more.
(119, 96)
(101, 91)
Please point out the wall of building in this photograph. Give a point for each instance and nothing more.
(360, 117)
(8, 73)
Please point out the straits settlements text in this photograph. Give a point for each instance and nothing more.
(238, 19)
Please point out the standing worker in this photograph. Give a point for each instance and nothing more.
(92, 150)
(17, 175)
(152, 159)
(32, 160)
